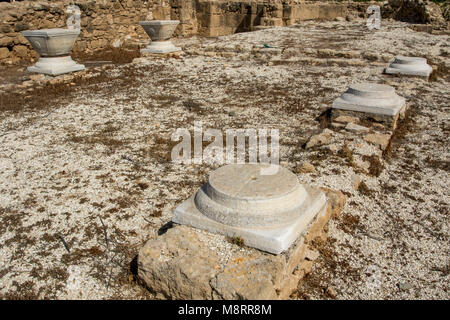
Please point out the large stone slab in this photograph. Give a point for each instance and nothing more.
(413, 66)
(267, 211)
(187, 263)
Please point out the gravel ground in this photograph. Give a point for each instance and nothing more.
(86, 176)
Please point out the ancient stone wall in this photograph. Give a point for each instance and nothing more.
(104, 23)
(115, 23)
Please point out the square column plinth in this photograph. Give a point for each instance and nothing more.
(55, 66)
(410, 66)
(268, 212)
(160, 47)
(275, 239)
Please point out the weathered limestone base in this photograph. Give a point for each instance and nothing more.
(185, 263)
(273, 240)
(370, 101)
(55, 66)
(373, 98)
(412, 66)
(160, 47)
(268, 210)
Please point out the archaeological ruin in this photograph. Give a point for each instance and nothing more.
(53, 46)
(224, 149)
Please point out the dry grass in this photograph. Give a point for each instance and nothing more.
(112, 55)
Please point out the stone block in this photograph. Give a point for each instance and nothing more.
(356, 128)
(379, 139)
(4, 53)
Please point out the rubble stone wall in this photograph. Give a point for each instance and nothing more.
(115, 23)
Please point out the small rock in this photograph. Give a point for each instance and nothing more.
(27, 83)
(311, 255)
(339, 19)
(228, 54)
(175, 55)
(139, 60)
(356, 181)
(347, 119)
(320, 139)
(379, 139)
(377, 125)
(331, 292)
(371, 56)
(405, 286)
(36, 77)
(336, 125)
(4, 53)
(352, 127)
(333, 147)
(306, 167)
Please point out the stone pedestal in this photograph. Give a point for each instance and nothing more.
(160, 32)
(413, 66)
(187, 263)
(268, 212)
(53, 46)
(370, 101)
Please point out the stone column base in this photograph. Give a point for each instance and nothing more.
(55, 66)
(160, 47)
(186, 263)
(410, 66)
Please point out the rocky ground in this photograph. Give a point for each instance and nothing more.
(86, 177)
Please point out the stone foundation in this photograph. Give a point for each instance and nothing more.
(185, 263)
(389, 122)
